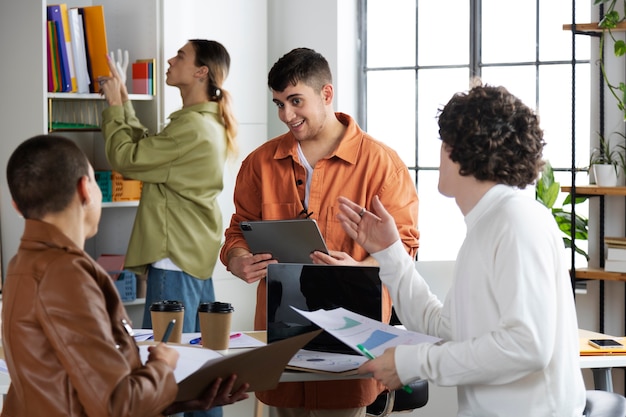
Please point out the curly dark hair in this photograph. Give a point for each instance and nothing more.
(493, 136)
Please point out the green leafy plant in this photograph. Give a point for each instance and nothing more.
(547, 191)
(611, 20)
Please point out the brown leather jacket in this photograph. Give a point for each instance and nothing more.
(65, 343)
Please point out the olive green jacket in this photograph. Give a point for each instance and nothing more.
(182, 173)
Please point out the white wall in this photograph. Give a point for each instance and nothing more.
(329, 27)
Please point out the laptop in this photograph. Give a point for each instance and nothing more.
(289, 241)
(311, 287)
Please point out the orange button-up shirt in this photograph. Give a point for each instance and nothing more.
(271, 186)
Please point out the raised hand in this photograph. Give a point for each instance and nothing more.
(374, 230)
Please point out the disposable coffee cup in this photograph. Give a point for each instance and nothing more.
(162, 313)
(215, 319)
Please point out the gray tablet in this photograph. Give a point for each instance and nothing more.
(289, 241)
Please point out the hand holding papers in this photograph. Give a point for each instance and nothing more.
(354, 329)
(261, 367)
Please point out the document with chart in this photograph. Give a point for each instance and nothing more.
(354, 329)
(362, 334)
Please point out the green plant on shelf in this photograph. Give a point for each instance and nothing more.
(610, 21)
(547, 191)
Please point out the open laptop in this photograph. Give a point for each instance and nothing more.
(311, 287)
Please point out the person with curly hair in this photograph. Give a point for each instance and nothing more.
(508, 323)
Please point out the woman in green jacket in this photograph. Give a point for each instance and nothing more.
(178, 228)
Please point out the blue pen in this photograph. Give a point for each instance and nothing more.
(369, 355)
(196, 341)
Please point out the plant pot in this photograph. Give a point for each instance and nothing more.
(605, 175)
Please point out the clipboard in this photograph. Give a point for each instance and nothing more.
(289, 241)
(260, 367)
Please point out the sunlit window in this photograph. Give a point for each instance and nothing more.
(417, 54)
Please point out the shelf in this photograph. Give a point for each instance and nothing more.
(591, 190)
(117, 204)
(135, 302)
(96, 96)
(593, 27)
(599, 274)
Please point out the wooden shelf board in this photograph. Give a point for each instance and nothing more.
(596, 190)
(593, 27)
(599, 274)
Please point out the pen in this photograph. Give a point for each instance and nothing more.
(369, 355)
(198, 340)
(168, 331)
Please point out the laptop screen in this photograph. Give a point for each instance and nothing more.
(312, 287)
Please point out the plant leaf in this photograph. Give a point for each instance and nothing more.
(619, 48)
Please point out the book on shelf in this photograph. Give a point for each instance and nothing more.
(79, 51)
(615, 242)
(55, 15)
(611, 265)
(49, 55)
(616, 254)
(151, 66)
(67, 38)
(96, 41)
(141, 77)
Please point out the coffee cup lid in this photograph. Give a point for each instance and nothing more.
(215, 307)
(167, 305)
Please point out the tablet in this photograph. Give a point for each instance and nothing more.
(289, 241)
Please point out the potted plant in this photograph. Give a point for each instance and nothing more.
(547, 191)
(604, 161)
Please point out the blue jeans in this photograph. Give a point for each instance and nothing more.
(176, 285)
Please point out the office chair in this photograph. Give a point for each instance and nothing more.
(399, 400)
(604, 404)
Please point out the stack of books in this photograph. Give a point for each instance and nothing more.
(77, 48)
(77, 51)
(615, 254)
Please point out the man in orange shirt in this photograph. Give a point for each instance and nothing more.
(301, 174)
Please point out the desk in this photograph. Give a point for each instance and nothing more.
(600, 365)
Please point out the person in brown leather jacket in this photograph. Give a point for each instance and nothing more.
(67, 339)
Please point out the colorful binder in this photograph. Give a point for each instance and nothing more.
(55, 15)
(96, 40)
(67, 38)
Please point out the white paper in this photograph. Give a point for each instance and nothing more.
(326, 361)
(190, 360)
(354, 329)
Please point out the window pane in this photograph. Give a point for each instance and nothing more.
(435, 88)
(441, 224)
(390, 30)
(391, 110)
(508, 30)
(555, 111)
(441, 32)
(555, 44)
(519, 80)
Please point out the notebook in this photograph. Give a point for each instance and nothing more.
(289, 241)
(311, 287)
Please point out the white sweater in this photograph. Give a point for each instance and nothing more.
(509, 319)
